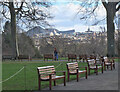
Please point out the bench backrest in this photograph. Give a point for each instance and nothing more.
(107, 60)
(72, 66)
(72, 56)
(46, 70)
(91, 62)
(83, 56)
(92, 57)
(7, 57)
(48, 56)
(23, 57)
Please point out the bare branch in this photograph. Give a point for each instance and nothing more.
(4, 4)
(96, 23)
(118, 7)
(3, 11)
(20, 8)
(104, 3)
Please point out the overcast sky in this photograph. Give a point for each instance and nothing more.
(66, 17)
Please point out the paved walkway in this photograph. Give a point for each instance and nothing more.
(106, 81)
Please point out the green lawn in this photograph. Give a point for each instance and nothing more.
(30, 82)
(117, 60)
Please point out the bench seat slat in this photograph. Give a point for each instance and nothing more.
(53, 77)
(45, 67)
(78, 71)
(95, 67)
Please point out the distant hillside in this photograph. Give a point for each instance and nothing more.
(47, 31)
(35, 30)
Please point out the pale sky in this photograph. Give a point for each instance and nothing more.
(65, 17)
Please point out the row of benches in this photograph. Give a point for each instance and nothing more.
(46, 56)
(70, 57)
(48, 73)
(20, 57)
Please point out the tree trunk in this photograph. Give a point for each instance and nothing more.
(110, 30)
(13, 31)
(119, 43)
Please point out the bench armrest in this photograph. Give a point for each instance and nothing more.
(46, 74)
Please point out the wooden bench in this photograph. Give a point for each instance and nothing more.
(93, 66)
(48, 56)
(48, 73)
(21, 57)
(73, 69)
(92, 57)
(82, 57)
(10, 57)
(109, 62)
(72, 57)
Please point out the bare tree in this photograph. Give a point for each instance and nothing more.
(25, 13)
(111, 8)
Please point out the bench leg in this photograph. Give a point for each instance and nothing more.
(114, 66)
(77, 77)
(64, 79)
(86, 75)
(102, 69)
(50, 83)
(54, 83)
(39, 84)
(86, 72)
(107, 67)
